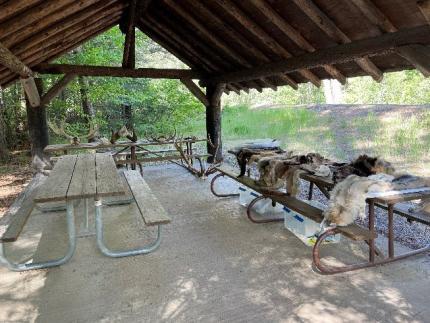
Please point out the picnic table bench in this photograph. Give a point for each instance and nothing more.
(353, 231)
(75, 177)
(131, 151)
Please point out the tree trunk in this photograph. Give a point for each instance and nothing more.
(38, 133)
(213, 121)
(4, 153)
(87, 106)
(127, 115)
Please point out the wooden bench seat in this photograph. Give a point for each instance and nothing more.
(150, 208)
(157, 159)
(16, 217)
(352, 231)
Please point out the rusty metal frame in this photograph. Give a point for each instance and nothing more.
(249, 211)
(213, 189)
(373, 250)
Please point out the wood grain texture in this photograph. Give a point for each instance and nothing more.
(108, 180)
(57, 184)
(150, 208)
(15, 218)
(83, 183)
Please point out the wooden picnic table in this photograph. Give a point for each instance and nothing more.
(85, 177)
(133, 149)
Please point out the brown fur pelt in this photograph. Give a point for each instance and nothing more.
(244, 155)
(363, 166)
(276, 170)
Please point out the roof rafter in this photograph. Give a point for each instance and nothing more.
(416, 55)
(294, 35)
(263, 36)
(241, 40)
(381, 45)
(330, 28)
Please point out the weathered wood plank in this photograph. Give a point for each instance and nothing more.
(83, 183)
(57, 184)
(15, 218)
(108, 180)
(150, 208)
(86, 70)
(380, 45)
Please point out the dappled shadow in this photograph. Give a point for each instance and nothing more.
(213, 265)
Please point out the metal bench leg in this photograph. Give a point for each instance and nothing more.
(252, 219)
(213, 190)
(51, 263)
(126, 253)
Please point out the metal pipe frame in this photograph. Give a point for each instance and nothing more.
(249, 212)
(51, 263)
(118, 254)
(329, 270)
(213, 189)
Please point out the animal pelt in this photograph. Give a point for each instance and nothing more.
(244, 155)
(274, 171)
(348, 199)
(363, 166)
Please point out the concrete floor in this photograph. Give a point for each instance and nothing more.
(213, 265)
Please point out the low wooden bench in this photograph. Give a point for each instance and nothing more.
(353, 231)
(150, 208)
(16, 217)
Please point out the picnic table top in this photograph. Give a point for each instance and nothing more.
(119, 144)
(81, 176)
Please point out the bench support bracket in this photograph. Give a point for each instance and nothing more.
(126, 253)
(51, 263)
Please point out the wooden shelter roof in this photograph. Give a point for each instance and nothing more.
(224, 37)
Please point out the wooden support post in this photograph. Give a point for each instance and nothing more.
(129, 56)
(38, 133)
(8, 59)
(195, 90)
(213, 121)
(56, 89)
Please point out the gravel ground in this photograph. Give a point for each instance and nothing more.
(412, 235)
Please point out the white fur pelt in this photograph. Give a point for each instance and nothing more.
(348, 198)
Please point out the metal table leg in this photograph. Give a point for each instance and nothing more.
(126, 253)
(51, 263)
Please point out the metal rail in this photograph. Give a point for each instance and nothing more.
(51, 263)
(126, 253)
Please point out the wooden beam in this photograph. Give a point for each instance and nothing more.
(294, 35)
(13, 63)
(59, 50)
(47, 18)
(231, 8)
(13, 7)
(208, 35)
(372, 12)
(35, 47)
(418, 55)
(61, 43)
(385, 44)
(238, 38)
(56, 89)
(87, 70)
(129, 55)
(195, 90)
(330, 28)
(30, 88)
(8, 59)
(424, 6)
